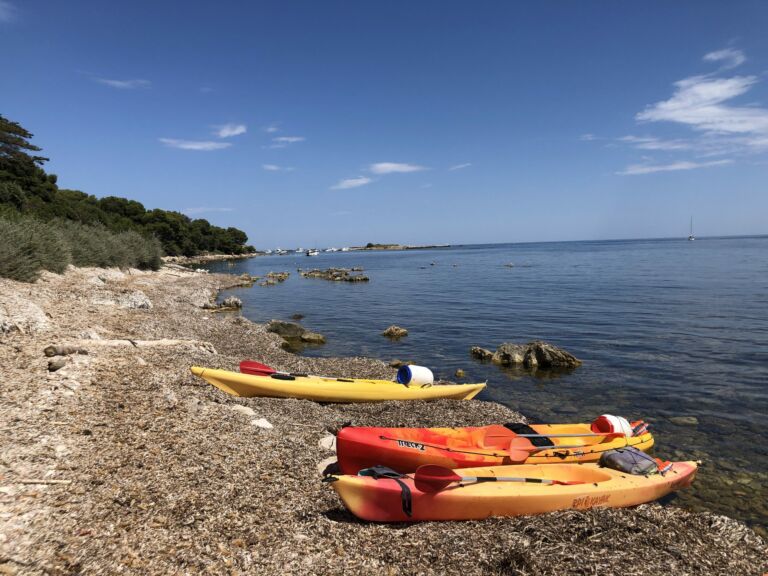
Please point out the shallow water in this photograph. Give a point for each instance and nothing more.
(665, 328)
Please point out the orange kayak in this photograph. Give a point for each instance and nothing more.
(383, 500)
(405, 449)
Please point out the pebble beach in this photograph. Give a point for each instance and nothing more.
(122, 462)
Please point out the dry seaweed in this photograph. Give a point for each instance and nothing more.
(145, 469)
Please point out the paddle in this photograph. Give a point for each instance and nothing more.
(259, 369)
(433, 478)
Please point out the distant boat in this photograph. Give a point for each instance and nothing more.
(312, 252)
(691, 237)
(345, 249)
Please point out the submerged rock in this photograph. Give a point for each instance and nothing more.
(313, 338)
(536, 354)
(480, 353)
(395, 332)
(336, 274)
(232, 302)
(286, 329)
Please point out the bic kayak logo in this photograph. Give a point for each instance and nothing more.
(407, 444)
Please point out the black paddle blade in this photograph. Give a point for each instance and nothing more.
(433, 478)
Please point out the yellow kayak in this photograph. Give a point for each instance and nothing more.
(322, 389)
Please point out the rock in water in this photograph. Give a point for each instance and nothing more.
(480, 353)
(549, 356)
(509, 354)
(536, 354)
(313, 338)
(395, 332)
(286, 329)
(232, 302)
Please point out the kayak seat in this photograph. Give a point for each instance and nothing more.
(520, 428)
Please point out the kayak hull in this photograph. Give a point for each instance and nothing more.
(405, 449)
(381, 500)
(330, 389)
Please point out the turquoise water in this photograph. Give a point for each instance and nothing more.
(665, 328)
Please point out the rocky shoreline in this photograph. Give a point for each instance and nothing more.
(121, 461)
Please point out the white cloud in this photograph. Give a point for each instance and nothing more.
(125, 84)
(204, 145)
(351, 183)
(587, 137)
(635, 169)
(730, 57)
(393, 167)
(272, 128)
(699, 102)
(204, 210)
(229, 130)
(460, 166)
(276, 168)
(7, 11)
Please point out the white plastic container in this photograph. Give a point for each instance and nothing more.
(418, 375)
(610, 424)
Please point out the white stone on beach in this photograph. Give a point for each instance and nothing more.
(327, 442)
(262, 423)
(243, 410)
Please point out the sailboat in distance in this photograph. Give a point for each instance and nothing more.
(691, 237)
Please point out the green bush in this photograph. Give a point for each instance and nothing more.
(18, 257)
(28, 245)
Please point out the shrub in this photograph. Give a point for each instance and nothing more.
(18, 258)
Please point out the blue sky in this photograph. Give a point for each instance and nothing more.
(339, 123)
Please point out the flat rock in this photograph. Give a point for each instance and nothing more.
(262, 423)
(684, 420)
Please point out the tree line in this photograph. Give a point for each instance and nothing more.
(27, 191)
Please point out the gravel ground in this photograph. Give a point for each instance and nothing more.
(123, 462)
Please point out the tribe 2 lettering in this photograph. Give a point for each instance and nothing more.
(407, 444)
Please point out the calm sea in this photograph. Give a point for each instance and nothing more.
(666, 328)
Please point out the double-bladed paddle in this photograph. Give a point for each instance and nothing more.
(259, 369)
(433, 478)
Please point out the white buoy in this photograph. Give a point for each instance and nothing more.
(415, 375)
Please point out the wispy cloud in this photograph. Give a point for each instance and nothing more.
(285, 141)
(204, 145)
(460, 166)
(204, 210)
(651, 143)
(133, 84)
(730, 57)
(276, 168)
(272, 128)
(700, 102)
(351, 183)
(394, 167)
(427, 185)
(7, 11)
(229, 130)
(707, 105)
(636, 169)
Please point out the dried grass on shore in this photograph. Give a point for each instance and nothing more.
(165, 477)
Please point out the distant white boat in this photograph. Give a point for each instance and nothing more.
(313, 252)
(691, 237)
(299, 250)
(345, 249)
(331, 250)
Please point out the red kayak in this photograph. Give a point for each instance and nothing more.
(405, 449)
